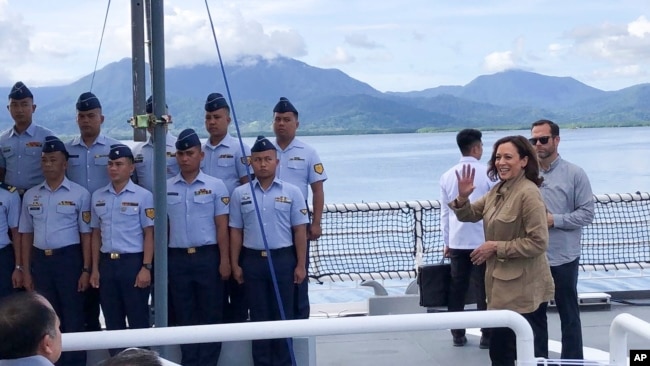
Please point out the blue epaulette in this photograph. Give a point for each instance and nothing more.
(11, 189)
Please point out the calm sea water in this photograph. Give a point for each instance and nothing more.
(402, 167)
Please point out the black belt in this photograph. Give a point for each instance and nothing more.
(262, 253)
(193, 250)
(58, 251)
(115, 256)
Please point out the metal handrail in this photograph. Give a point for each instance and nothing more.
(305, 328)
(622, 325)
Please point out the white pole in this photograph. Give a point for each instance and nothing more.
(307, 327)
(623, 325)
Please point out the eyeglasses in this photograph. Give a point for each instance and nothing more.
(543, 140)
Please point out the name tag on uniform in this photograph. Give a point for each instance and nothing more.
(225, 156)
(34, 144)
(283, 199)
(66, 203)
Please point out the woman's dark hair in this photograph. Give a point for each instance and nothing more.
(25, 319)
(525, 149)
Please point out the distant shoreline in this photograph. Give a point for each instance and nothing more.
(203, 134)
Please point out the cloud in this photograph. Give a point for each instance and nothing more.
(339, 57)
(499, 61)
(15, 45)
(627, 71)
(188, 33)
(639, 28)
(618, 44)
(418, 36)
(361, 41)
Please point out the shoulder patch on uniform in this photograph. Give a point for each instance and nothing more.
(85, 215)
(8, 187)
(225, 200)
(150, 212)
(318, 168)
(246, 160)
(303, 211)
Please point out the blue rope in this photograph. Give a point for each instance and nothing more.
(250, 183)
(101, 40)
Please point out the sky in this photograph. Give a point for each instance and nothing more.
(391, 45)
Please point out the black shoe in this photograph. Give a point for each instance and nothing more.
(460, 341)
(484, 343)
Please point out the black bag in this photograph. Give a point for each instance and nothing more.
(433, 281)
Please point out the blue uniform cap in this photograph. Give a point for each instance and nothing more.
(149, 107)
(283, 106)
(120, 151)
(53, 144)
(87, 101)
(215, 101)
(187, 139)
(262, 144)
(20, 91)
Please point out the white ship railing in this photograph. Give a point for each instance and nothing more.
(622, 326)
(306, 328)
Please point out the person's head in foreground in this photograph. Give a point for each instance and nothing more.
(29, 321)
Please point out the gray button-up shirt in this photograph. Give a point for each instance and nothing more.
(567, 193)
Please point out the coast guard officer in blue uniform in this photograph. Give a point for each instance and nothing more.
(225, 160)
(89, 151)
(21, 144)
(11, 269)
(122, 244)
(143, 154)
(55, 228)
(301, 166)
(223, 156)
(284, 218)
(87, 167)
(197, 206)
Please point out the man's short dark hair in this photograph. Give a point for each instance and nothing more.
(134, 357)
(555, 129)
(467, 138)
(24, 319)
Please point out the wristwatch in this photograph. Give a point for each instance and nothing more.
(19, 267)
(147, 266)
(85, 270)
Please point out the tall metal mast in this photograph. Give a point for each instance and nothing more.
(160, 159)
(137, 66)
(154, 12)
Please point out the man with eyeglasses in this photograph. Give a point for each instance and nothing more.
(570, 206)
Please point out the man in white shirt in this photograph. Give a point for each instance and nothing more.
(461, 238)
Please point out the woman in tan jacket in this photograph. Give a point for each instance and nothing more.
(517, 275)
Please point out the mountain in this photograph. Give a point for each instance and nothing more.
(331, 102)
